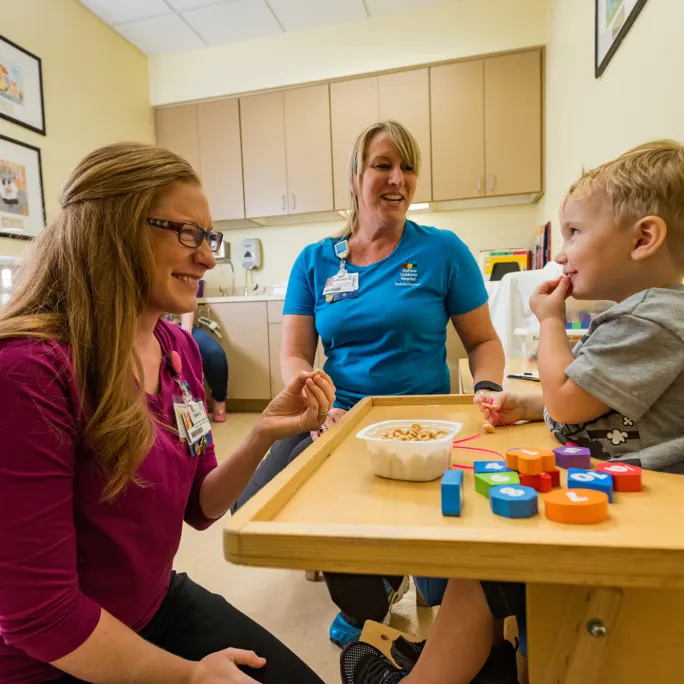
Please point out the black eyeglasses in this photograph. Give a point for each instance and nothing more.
(189, 234)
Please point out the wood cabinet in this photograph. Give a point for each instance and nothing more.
(177, 130)
(286, 152)
(486, 127)
(513, 123)
(220, 154)
(458, 149)
(208, 136)
(405, 97)
(353, 106)
(244, 329)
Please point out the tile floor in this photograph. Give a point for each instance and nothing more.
(298, 612)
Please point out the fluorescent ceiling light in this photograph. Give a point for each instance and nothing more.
(420, 206)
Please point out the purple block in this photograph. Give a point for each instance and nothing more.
(573, 457)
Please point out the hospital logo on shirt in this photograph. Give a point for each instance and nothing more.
(408, 276)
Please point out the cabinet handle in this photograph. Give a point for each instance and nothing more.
(479, 185)
(293, 203)
(492, 179)
(283, 204)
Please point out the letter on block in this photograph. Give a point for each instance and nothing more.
(452, 492)
(485, 481)
(490, 466)
(513, 501)
(576, 506)
(591, 479)
(573, 457)
(626, 477)
(540, 483)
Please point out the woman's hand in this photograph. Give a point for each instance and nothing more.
(548, 300)
(334, 415)
(501, 408)
(303, 406)
(222, 667)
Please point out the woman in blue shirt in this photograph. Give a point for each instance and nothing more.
(380, 297)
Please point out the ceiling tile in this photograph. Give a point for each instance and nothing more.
(161, 34)
(377, 8)
(295, 15)
(184, 5)
(117, 11)
(233, 21)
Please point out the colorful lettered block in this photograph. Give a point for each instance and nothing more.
(530, 460)
(490, 466)
(540, 483)
(591, 479)
(626, 477)
(513, 501)
(452, 492)
(485, 481)
(573, 457)
(576, 506)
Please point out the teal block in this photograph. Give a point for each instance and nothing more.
(452, 492)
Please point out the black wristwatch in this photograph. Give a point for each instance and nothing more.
(487, 385)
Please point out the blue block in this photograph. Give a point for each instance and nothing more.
(452, 492)
(491, 467)
(513, 501)
(578, 478)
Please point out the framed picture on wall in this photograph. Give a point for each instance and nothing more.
(613, 20)
(21, 87)
(22, 203)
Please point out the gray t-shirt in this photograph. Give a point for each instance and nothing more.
(632, 359)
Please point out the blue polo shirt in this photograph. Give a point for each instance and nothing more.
(391, 339)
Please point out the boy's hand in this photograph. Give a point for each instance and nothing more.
(548, 300)
(500, 408)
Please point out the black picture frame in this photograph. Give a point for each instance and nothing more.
(601, 64)
(38, 64)
(39, 161)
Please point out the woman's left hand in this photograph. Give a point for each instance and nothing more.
(302, 406)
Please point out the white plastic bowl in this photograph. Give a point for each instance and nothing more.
(412, 461)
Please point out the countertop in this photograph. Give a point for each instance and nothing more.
(248, 298)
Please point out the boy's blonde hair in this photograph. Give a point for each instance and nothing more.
(647, 180)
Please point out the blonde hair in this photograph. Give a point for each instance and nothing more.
(647, 180)
(401, 138)
(85, 281)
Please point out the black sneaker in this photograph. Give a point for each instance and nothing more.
(501, 666)
(406, 653)
(361, 663)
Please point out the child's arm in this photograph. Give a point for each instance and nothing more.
(565, 400)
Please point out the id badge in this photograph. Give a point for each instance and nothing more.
(349, 282)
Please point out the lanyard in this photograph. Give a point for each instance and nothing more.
(342, 252)
(175, 365)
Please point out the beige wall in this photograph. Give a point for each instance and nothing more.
(95, 84)
(639, 96)
(455, 29)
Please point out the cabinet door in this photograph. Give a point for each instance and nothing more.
(513, 127)
(221, 158)
(263, 155)
(405, 97)
(244, 327)
(353, 106)
(308, 152)
(457, 113)
(177, 130)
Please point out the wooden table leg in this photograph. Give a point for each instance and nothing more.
(603, 635)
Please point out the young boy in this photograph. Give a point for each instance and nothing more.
(620, 391)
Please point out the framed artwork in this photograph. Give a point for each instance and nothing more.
(614, 18)
(22, 204)
(21, 87)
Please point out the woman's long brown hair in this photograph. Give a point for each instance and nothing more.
(84, 282)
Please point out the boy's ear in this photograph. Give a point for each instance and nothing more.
(650, 234)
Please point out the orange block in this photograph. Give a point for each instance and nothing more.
(530, 460)
(576, 506)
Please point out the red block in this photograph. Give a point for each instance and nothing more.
(540, 483)
(626, 477)
(555, 477)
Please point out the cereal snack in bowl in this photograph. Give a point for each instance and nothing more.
(415, 450)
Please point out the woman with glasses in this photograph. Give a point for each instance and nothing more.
(107, 448)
